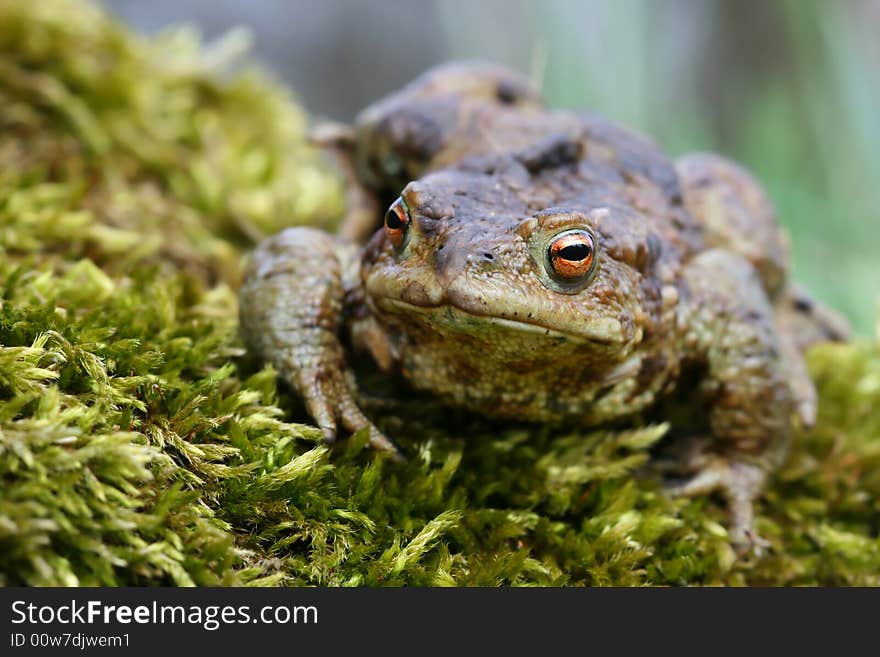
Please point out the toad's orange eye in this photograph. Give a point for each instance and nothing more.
(397, 223)
(571, 255)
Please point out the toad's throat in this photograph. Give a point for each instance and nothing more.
(606, 330)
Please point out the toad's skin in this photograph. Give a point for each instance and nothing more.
(546, 266)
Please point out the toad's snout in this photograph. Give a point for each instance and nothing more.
(453, 265)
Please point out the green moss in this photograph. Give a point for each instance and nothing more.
(139, 444)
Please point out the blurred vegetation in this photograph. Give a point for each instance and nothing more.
(791, 89)
(139, 445)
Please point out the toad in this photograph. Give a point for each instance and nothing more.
(546, 266)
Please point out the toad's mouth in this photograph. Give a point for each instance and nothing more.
(604, 330)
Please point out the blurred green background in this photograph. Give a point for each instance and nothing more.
(791, 89)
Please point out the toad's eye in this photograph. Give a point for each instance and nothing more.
(571, 255)
(397, 223)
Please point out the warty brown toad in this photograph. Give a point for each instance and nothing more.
(547, 266)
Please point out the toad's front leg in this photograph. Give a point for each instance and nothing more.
(729, 329)
(292, 305)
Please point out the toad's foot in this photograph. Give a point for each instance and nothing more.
(747, 387)
(740, 483)
(328, 392)
(362, 215)
(291, 306)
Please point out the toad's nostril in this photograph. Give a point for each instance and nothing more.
(506, 93)
(488, 256)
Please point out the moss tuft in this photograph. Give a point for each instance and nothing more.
(139, 444)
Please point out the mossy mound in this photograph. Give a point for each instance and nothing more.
(139, 445)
